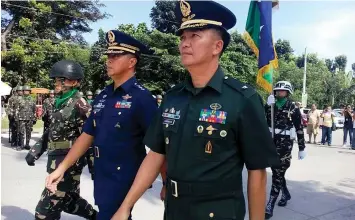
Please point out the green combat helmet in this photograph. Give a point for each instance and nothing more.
(88, 93)
(81, 93)
(26, 88)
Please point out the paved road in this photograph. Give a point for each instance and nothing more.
(322, 186)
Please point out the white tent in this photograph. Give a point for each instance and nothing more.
(4, 89)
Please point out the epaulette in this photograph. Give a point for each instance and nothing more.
(176, 88)
(246, 90)
(139, 86)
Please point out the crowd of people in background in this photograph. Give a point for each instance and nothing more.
(325, 120)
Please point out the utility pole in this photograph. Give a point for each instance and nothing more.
(304, 94)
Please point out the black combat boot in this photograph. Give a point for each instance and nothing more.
(269, 211)
(27, 146)
(285, 197)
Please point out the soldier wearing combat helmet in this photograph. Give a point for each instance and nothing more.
(70, 112)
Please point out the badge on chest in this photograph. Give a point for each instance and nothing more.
(124, 103)
(169, 116)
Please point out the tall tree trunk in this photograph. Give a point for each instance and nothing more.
(5, 33)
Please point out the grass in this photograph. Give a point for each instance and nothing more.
(5, 124)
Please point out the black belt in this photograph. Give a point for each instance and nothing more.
(177, 188)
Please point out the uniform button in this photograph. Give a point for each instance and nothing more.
(226, 77)
(167, 140)
(118, 168)
(119, 113)
(211, 215)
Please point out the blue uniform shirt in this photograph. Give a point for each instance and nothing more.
(118, 122)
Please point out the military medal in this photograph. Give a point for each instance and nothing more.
(213, 115)
(200, 129)
(223, 133)
(210, 129)
(208, 147)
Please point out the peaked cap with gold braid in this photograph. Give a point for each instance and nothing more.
(205, 15)
(122, 43)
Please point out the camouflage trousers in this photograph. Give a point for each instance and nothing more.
(24, 129)
(90, 155)
(284, 148)
(67, 198)
(13, 129)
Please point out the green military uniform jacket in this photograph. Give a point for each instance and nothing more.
(208, 135)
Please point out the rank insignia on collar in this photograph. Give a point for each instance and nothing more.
(126, 97)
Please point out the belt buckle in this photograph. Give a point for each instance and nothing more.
(174, 186)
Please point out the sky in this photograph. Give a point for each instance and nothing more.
(324, 27)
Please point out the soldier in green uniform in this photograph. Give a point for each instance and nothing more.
(26, 108)
(89, 97)
(15, 111)
(10, 116)
(159, 99)
(70, 112)
(207, 128)
(48, 107)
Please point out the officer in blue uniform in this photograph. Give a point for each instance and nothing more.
(116, 127)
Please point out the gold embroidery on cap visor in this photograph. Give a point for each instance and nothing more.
(122, 49)
(199, 23)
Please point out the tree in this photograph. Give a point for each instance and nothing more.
(283, 49)
(49, 19)
(42, 33)
(163, 17)
(341, 61)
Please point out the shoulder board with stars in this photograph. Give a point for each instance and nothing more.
(235, 84)
(139, 86)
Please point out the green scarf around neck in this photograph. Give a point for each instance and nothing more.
(280, 102)
(63, 98)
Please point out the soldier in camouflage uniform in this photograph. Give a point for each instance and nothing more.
(70, 112)
(89, 97)
(14, 110)
(48, 106)
(287, 118)
(10, 115)
(26, 111)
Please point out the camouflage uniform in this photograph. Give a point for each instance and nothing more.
(10, 114)
(26, 110)
(66, 123)
(48, 106)
(286, 119)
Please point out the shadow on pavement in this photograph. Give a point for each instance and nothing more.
(15, 213)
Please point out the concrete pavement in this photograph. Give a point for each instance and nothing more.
(322, 186)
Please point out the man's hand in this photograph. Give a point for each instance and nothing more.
(271, 100)
(53, 180)
(162, 193)
(30, 159)
(301, 154)
(121, 214)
